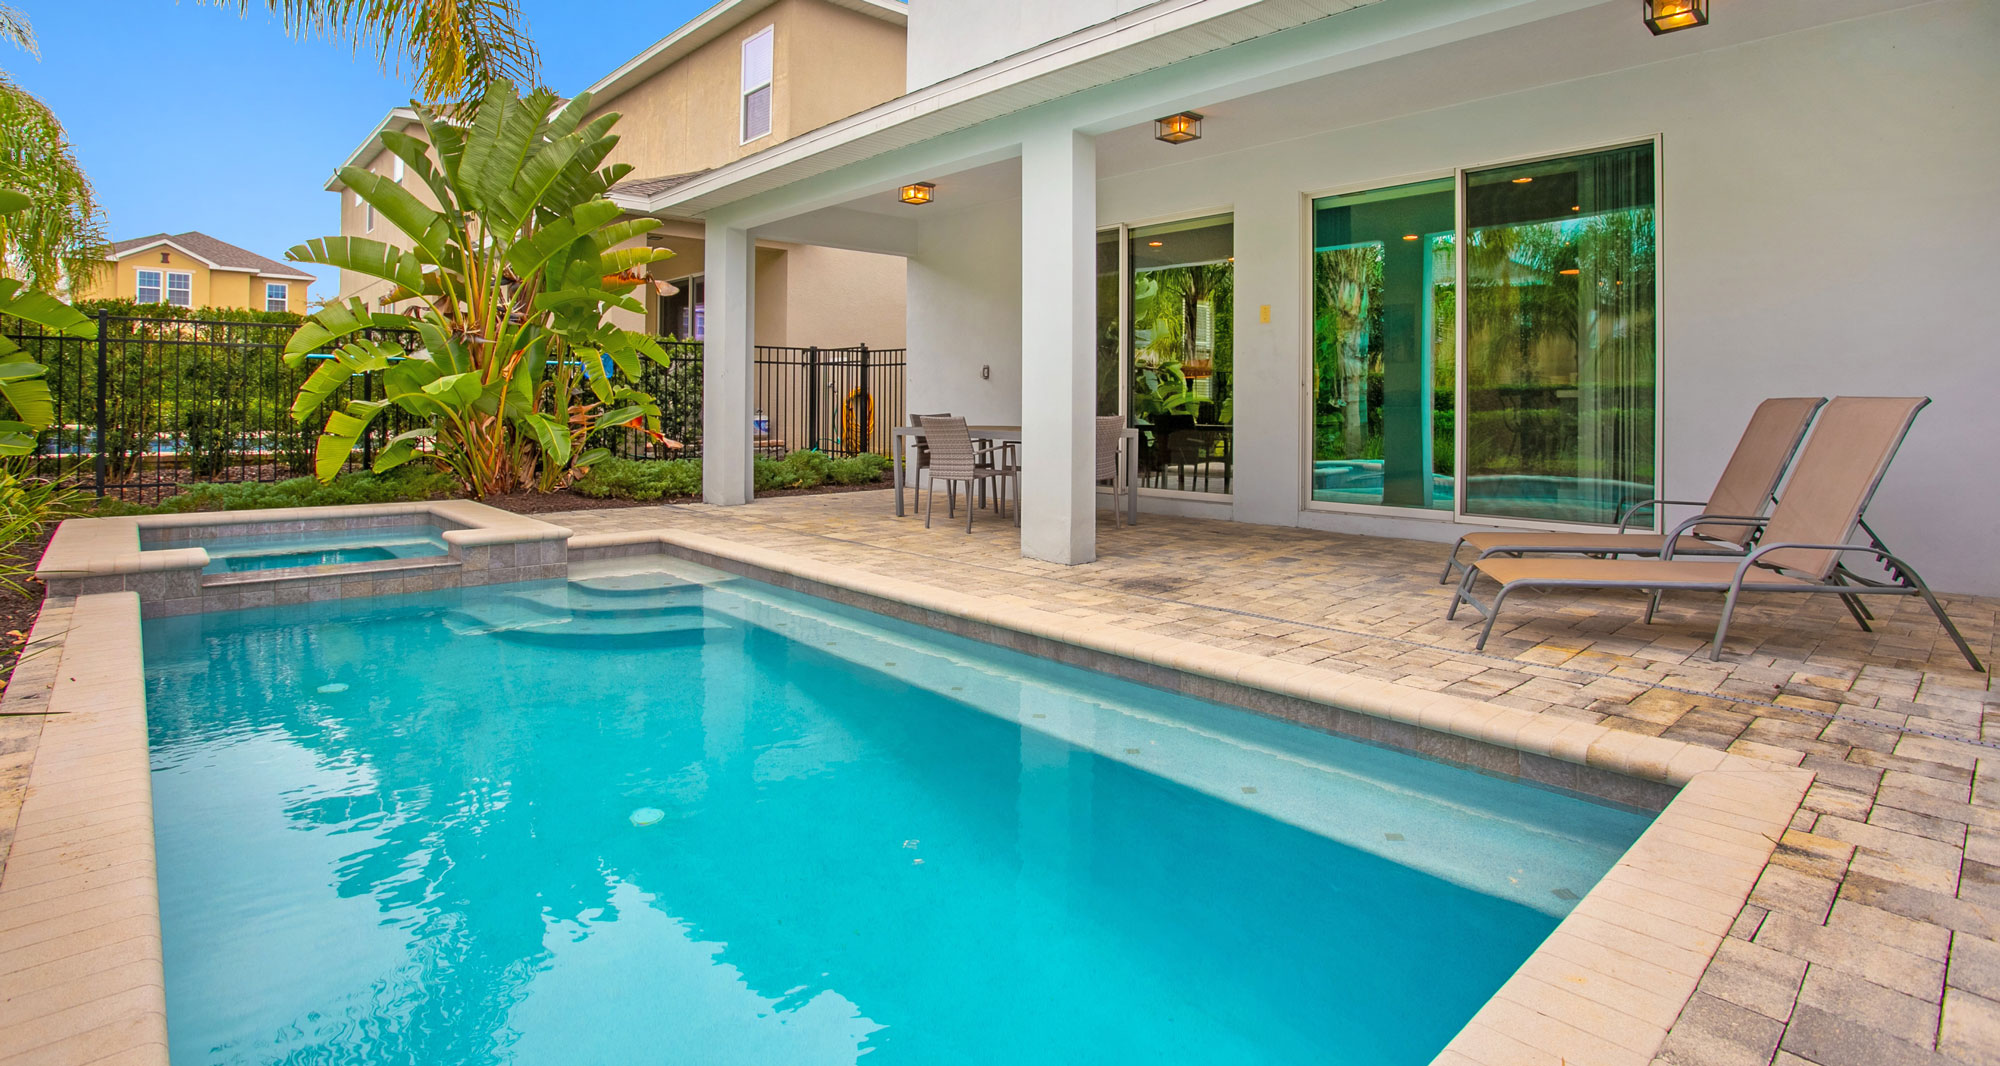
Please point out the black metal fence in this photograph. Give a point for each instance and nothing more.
(153, 403)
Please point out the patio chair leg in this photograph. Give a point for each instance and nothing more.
(1652, 605)
(1722, 626)
(1492, 616)
(1463, 594)
(932, 509)
(1945, 620)
(950, 499)
(968, 505)
(1451, 562)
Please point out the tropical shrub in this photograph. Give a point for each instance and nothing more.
(629, 479)
(396, 486)
(514, 366)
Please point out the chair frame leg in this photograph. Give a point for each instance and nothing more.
(931, 499)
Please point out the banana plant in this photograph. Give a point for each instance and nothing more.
(511, 276)
(21, 378)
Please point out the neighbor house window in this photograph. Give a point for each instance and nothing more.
(683, 312)
(396, 169)
(1180, 286)
(150, 291)
(275, 295)
(1384, 346)
(180, 289)
(757, 85)
(1561, 357)
(369, 219)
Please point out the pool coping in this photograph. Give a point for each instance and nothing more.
(1612, 978)
(79, 905)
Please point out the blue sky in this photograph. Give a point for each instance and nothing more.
(189, 117)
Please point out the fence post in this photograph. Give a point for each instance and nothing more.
(864, 421)
(99, 449)
(368, 438)
(812, 397)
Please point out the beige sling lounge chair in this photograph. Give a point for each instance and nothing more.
(1804, 544)
(1743, 491)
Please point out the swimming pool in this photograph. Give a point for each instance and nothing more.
(284, 551)
(661, 814)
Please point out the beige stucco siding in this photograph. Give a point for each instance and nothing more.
(354, 222)
(827, 63)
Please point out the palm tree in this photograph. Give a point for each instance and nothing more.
(453, 48)
(57, 231)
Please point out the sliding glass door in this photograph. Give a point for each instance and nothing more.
(1383, 347)
(1561, 340)
(1488, 347)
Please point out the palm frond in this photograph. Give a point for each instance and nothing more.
(452, 49)
(59, 235)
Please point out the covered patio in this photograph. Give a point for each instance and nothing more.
(1890, 873)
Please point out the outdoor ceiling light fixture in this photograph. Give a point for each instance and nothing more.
(1178, 129)
(919, 193)
(1666, 16)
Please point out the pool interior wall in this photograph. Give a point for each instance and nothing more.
(1246, 888)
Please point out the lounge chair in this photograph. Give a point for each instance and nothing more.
(1804, 543)
(1743, 491)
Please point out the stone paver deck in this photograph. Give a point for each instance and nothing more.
(1873, 936)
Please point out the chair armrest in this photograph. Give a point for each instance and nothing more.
(1625, 517)
(1674, 535)
(1890, 562)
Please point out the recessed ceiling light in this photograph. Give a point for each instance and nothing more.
(1522, 181)
(1155, 244)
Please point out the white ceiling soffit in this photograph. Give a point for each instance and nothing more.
(1145, 39)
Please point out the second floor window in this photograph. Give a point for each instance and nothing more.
(275, 294)
(165, 286)
(757, 85)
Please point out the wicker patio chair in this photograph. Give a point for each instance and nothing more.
(1110, 432)
(954, 459)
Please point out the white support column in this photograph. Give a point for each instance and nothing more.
(727, 378)
(1058, 350)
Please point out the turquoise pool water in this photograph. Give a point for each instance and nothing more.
(283, 551)
(675, 817)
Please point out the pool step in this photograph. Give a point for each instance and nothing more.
(641, 615)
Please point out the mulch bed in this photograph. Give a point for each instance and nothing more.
(18, 609)
(567, 500)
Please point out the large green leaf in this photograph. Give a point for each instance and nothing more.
(415, 154)
(402, 448)
(427, 229)
(12, 200)
(31, 400)
(343, 429)
(334, 322)
(373, 258)
(43, 310)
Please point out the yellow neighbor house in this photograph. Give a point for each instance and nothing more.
(196, 270)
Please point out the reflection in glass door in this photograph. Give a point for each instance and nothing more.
(1384, 346)
(1181, 288)
(1560, 347)
(1110, 324)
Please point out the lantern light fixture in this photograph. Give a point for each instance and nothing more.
(1179, 128)
(917, 193)
(1666, 16)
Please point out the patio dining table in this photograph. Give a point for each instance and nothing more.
(899, 444)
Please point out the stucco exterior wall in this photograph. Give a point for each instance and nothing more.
(209, 287)
(827, 63)
(964, 288)
(354, 222)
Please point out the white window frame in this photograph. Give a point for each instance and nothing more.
(167, 288)
(396, 169)
(368, 219)
(159, 285)
(284, 296)
(767, 35)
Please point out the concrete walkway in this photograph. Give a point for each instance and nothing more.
(1873, 937)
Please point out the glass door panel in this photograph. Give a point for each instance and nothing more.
(1384, 346)
(1182, 285)
(1110, 331)
(1561, 352)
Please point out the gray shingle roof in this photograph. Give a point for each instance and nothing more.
(220, 253)
(654, 186)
